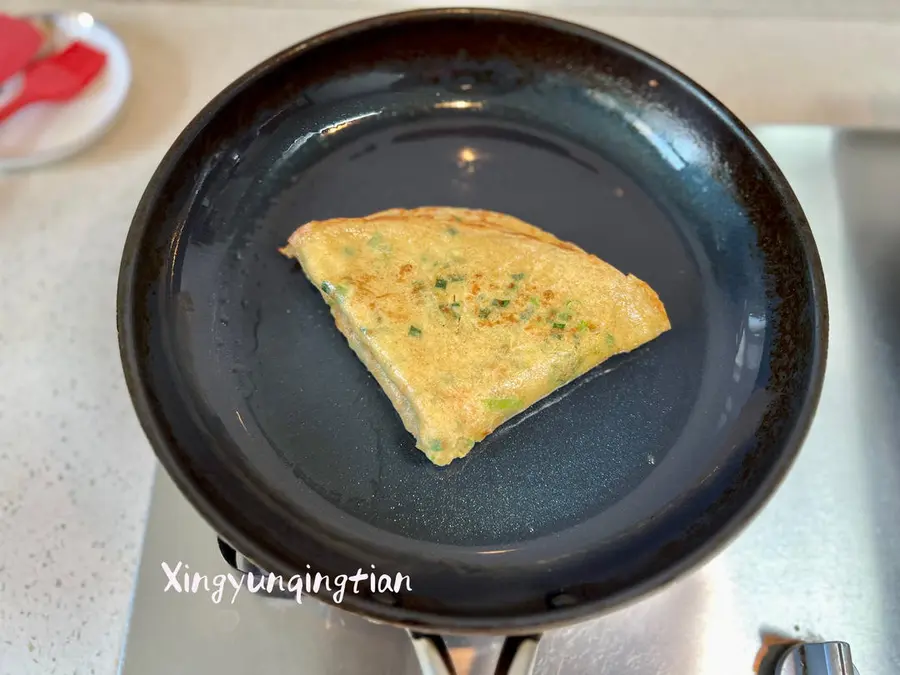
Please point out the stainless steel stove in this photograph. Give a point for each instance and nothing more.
(821, 563)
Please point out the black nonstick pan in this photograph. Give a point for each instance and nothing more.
(629, 477)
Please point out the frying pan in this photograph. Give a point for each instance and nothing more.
(623, 480)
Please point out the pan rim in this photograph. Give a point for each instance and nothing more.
(154, 425)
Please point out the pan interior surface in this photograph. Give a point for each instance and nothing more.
(616, 477)
(305, 397)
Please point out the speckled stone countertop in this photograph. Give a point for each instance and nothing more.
(75, 468)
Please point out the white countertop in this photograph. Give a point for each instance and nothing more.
(75, 468)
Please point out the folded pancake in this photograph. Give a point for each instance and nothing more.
(466, 318)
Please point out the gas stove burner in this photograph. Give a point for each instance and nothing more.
(787, 658)
(766, 579)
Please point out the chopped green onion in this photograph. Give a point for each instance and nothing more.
(610, 340)
(457, 277)
(583, 325)
(500, 303)
(452, 231)
(418, 285)
(503, 403)
(414, 332)
(534, 301)
(484, 313)
(457, 219)
(565, 316)
(378, 243)
(339, 292)
(440, 283)
(349, 251)
(518, 276)
(560, 326)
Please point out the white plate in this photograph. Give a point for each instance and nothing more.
(47, 132)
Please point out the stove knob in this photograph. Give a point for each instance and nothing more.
(821, 658)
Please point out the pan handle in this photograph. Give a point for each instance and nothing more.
(517, 656)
